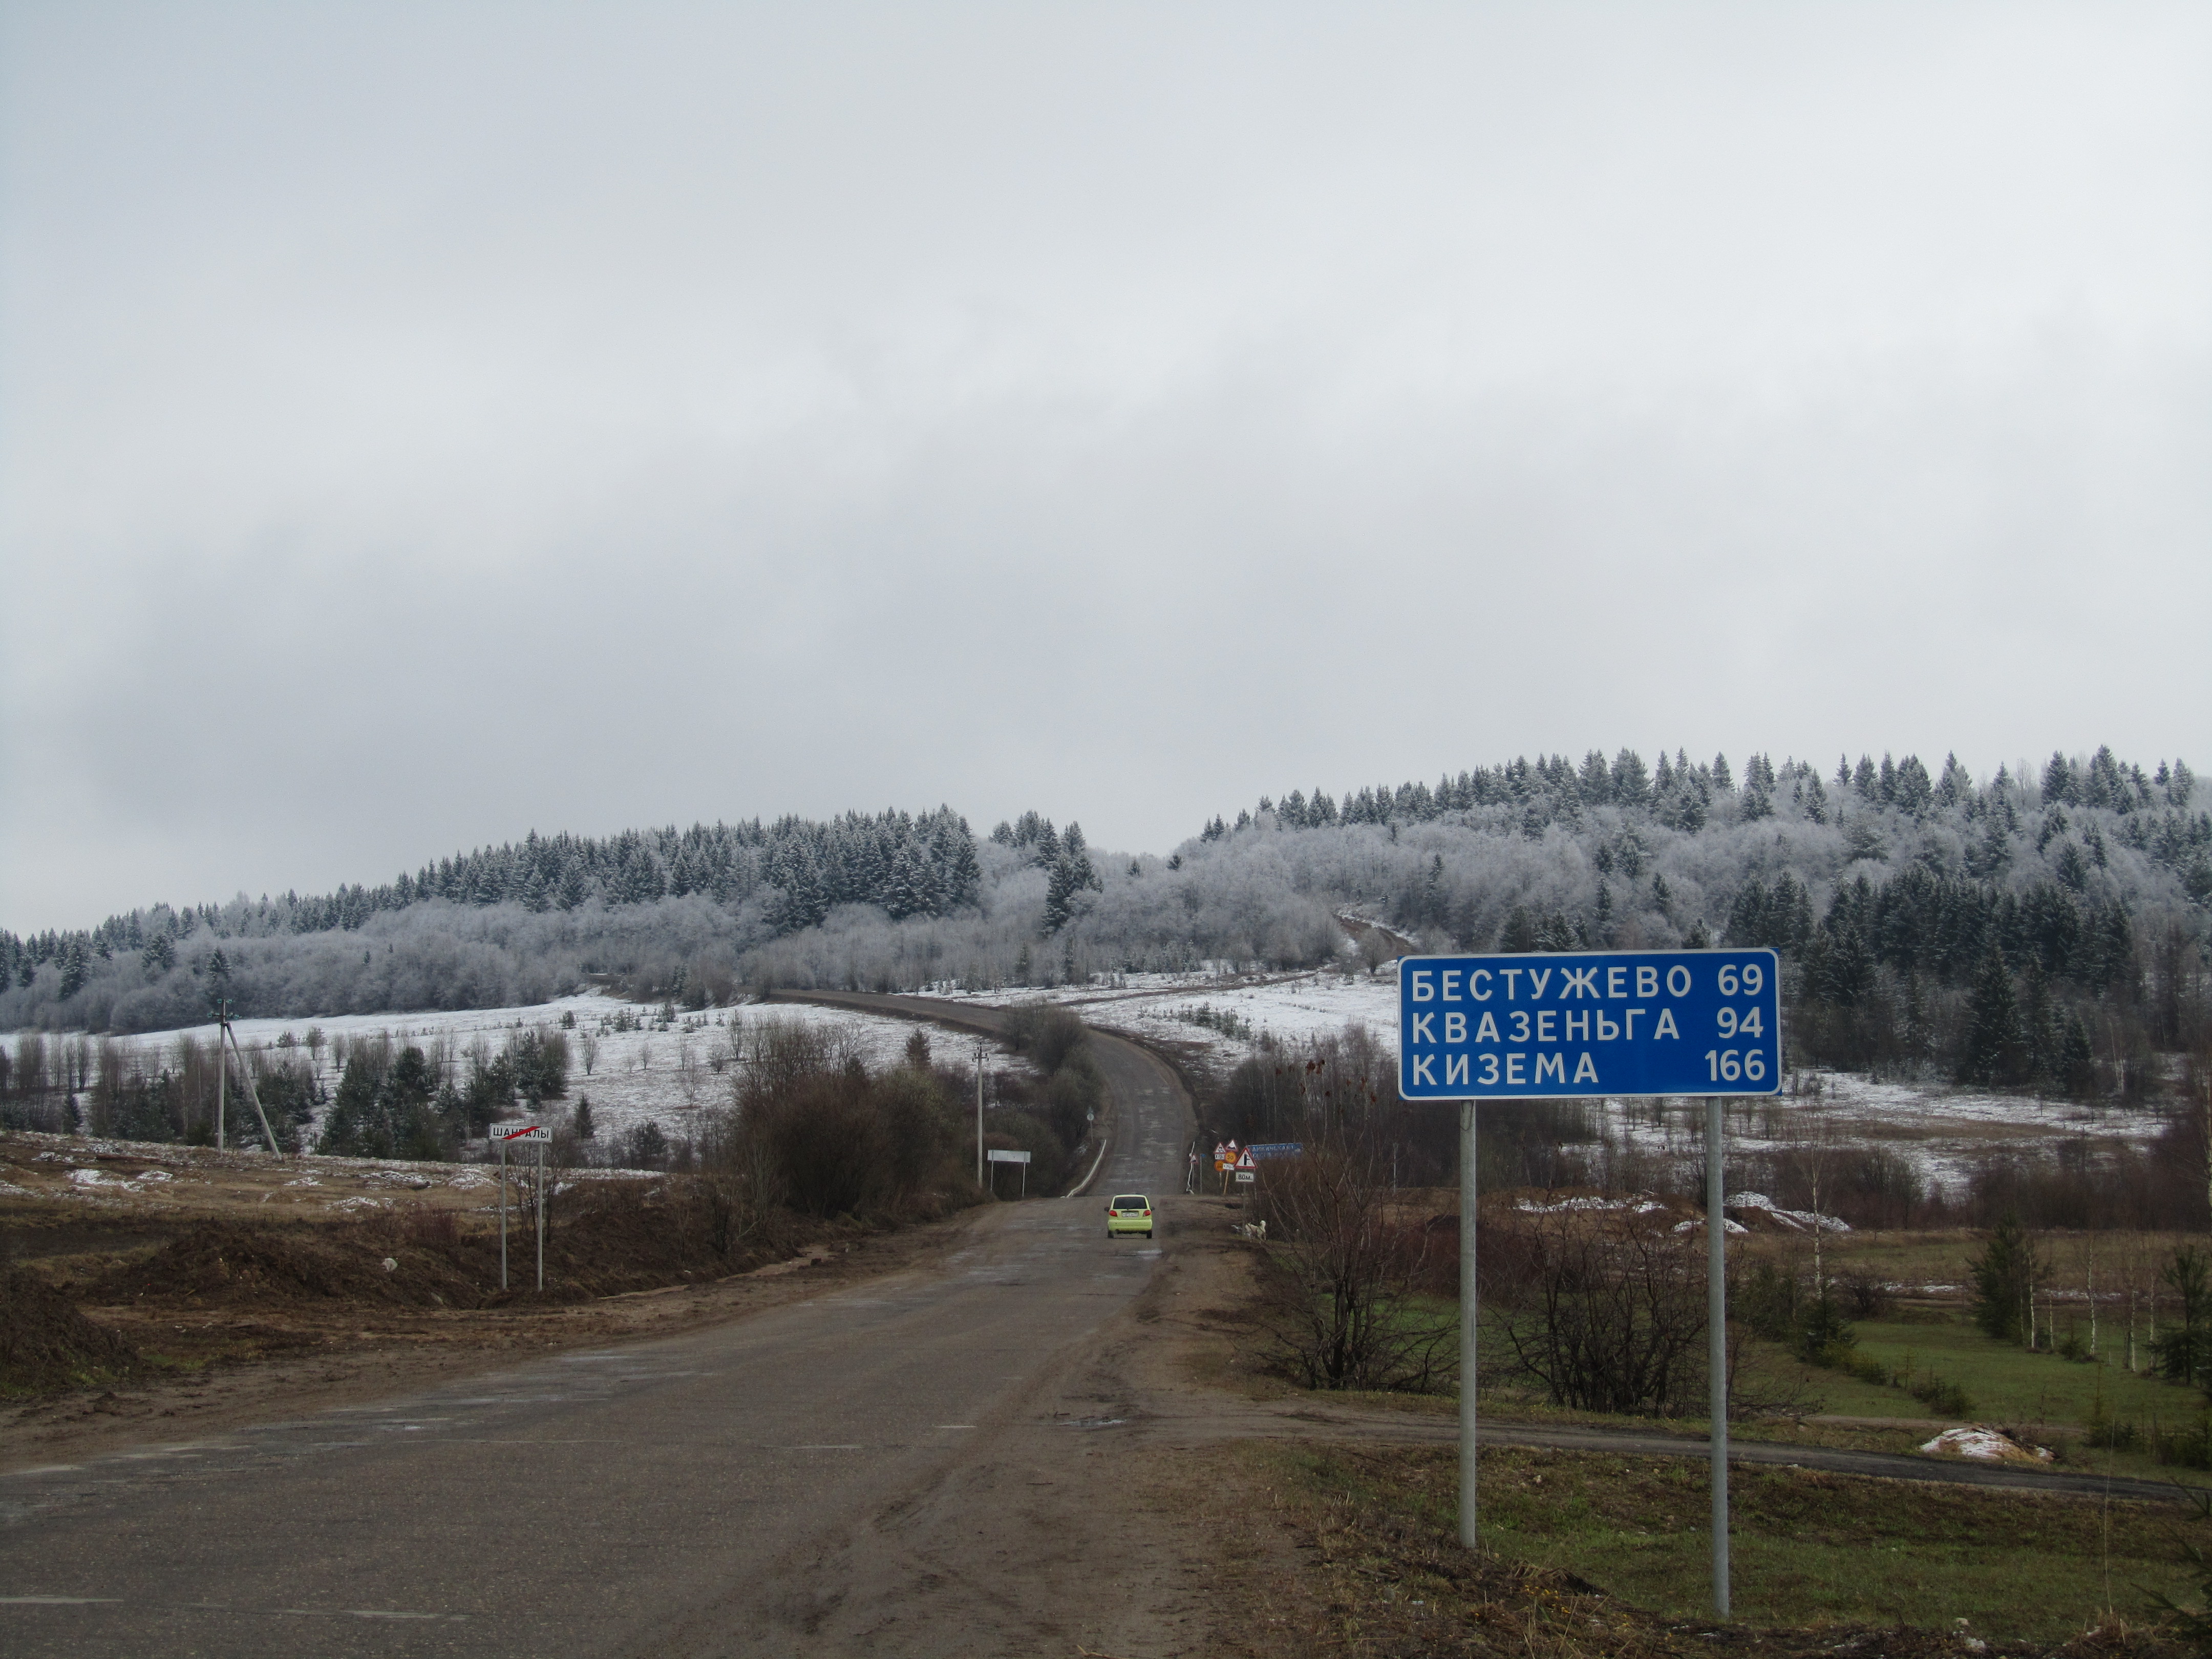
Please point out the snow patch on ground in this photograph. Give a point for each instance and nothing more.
(652, 1073)
(1796, 1220)
(1985, 1445)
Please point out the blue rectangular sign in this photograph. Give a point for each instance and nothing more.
(1545, 1025)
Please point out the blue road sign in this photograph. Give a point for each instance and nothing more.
(1544, 1025)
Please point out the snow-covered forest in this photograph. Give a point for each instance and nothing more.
(1905, 901)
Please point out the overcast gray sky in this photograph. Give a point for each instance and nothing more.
(421, 423)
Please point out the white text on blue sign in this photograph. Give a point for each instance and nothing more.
(1546, 1026)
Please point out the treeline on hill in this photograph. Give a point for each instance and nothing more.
(1892, 889)
(501, 925)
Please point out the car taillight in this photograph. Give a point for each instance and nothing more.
(1148, 1213)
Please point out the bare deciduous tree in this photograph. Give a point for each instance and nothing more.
(1602, 1306)
(1340, 1277)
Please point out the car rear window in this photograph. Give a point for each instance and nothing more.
(1127, 1202)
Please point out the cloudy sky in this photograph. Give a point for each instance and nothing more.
(421, 423)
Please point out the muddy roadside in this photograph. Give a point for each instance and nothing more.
(172, 1291)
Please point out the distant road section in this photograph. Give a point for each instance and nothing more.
(1150, 1122)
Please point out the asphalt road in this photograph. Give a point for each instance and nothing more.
(908, 1467)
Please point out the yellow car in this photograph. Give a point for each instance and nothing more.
(1129, 1212)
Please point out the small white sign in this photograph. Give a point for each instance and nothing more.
(1246, 1174)
(997, 1155)
(510, 1132)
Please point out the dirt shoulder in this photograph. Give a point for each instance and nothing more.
(235, 1309)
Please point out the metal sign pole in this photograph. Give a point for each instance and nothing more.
(1467, 1311)
(541, 1215)
(979, 1116)
(503, 1212)
(1716, 1342)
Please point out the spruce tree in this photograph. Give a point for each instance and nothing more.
(2077, 1059)
(2184, 1352)
(2004, 1276)
(1632, 784)
(1994, 1046)
(2057, 781)
(1816, 799)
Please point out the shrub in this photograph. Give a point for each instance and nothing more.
(1340, 1281)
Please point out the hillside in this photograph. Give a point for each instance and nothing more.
(1892, 888)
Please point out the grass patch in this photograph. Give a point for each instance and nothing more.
(1810, 1548)
(2009, 1383)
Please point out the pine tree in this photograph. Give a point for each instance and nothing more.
(77, 966)
(1816, 799)
(1060, 888)
(2057, 781)
(2004, 1276)
(585, 1129)
(2077, 1059)
(2040, 1029)
(1994, 1046)
(1631, 785)
(2185, 1350)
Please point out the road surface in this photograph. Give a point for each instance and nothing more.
(908, 1467)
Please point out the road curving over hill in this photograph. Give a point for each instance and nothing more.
(1148, 1123)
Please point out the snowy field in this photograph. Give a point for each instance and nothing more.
(633, 1068)
(1941, 1128)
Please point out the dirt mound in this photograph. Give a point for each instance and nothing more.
(230, 1263)
(45, 1343)
(608, 1239)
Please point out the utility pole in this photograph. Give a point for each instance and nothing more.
(221, 1063)
(245, 1075)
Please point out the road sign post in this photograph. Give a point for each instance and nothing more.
(1000, 1155)
(1717, 1390)
(500, 1135)
(1624, 1024)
